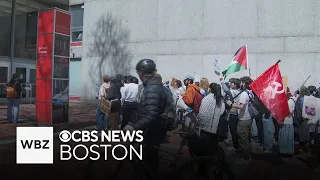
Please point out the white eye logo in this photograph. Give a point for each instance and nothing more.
(65, 136)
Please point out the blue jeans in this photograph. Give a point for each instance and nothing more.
(268, 133)
(102, 119)
(15, 103)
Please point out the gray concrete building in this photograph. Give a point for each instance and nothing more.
(185, 36)
(182, 36)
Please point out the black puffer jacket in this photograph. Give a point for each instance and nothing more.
(150, 108)
(114, 91)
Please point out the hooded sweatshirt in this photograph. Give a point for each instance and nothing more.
(188, 98)
(103, 91)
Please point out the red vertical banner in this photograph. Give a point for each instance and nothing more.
(45, 39)
(52, 81)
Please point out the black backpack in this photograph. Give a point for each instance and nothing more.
(297, 113)
(257, 103)
(169, 114)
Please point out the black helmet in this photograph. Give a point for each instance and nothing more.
(146, 66)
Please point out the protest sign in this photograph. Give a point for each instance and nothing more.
(173, 81)
(106, 107)
(285, 82)
(311, 108)
(97, 90)
(216, 67)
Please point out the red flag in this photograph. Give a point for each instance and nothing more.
(269, 88)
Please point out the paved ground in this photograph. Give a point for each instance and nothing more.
(268, 167)
(80, 114)
(265, 167)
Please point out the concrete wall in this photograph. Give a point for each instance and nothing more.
(185, 36)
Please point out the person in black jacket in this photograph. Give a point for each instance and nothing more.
(13, 98)
(149, 112)
(114, 96)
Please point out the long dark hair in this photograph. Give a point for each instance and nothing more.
(179, 83)
(216, 90)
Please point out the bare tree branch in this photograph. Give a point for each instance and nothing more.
(110, 49)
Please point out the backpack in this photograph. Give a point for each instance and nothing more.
(298, 112)
(252, 106)
(197, 102)
(258, 104)
(11, 91)
(169, 114)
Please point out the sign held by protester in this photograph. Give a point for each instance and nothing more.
(173, 81)
(216, 66)
(97, 90)
(311, 108)
(285, 82)
(270, 90)
(106, 107)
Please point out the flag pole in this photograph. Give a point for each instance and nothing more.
(248, 61)
(305, 81)
(270, 68)
(278, 61)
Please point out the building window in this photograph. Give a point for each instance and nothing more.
(77, 36)
(4, 75)
(22, 72)
(76, 23)
(3, 80)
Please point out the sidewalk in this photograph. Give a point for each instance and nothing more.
(264, 168)
(80, 115)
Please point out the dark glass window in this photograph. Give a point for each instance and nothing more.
(77, 22)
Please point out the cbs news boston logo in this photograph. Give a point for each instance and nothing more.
(34, 145)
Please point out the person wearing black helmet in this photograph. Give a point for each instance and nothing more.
(149, 112)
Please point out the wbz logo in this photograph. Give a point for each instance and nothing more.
(34, 145)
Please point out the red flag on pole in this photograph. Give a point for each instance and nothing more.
(269, 88)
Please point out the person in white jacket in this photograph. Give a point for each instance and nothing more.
(212, 107)
(286, 131)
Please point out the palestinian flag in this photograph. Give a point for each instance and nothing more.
(239, 62)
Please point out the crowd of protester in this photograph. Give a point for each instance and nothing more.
(221, 109)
